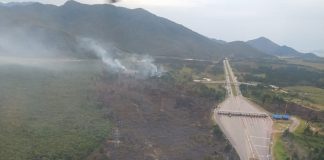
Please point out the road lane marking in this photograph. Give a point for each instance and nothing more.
(261, 146)
(260, 137)
(251, 126)
(250, 143)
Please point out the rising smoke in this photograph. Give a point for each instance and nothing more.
(36, 49)
(120, 62)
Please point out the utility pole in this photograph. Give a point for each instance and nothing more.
(286, 109)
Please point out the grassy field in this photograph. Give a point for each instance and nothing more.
(308, 141)
(214, 72)
(306, 96)
(279, 150)
(300, 144)
(319, 66)
(49, 111)
(312, 96)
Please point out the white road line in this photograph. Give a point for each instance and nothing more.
(248, 138)
(264, 155)
(260, 137)
(268, 157)
(254, 139)
(261, 146)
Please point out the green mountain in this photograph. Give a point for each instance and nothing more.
(56, 30)
(267, 46)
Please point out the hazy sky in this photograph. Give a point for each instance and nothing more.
(296, 23)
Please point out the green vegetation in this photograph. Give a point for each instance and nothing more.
(279, 73)
(219, 87)
(217, 131)
(287, 76)
(319, 127)
(182, 78)
(301, 144)
(199, 69)
(263, 95)
(216, 71)
(50, 112)
(302, 95)
(279, 151)
(308, 95)
(301, 85)
(317, 65)
(304, 100)
(310, 140)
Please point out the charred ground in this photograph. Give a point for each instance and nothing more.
(159, 118)
(78, 110)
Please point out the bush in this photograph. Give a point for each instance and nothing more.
(217, 132)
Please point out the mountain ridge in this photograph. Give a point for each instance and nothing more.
(131, 30)
(267, 46)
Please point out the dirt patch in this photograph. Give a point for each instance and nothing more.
(155, 120)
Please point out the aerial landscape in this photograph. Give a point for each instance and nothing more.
(163, 80)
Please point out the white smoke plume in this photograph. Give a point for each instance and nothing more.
(121, 62)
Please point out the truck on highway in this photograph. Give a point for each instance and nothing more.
(280, 116)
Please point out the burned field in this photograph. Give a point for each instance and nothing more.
(157, 119)
(79, 110)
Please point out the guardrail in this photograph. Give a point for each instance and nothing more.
(243, 114)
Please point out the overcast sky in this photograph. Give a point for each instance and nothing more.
(296, 23)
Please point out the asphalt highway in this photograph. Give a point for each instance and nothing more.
(249, 135)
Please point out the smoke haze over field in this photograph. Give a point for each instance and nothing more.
(19, 42)
(118, 61)
(32, 46)
(37, 41)
(23, 47)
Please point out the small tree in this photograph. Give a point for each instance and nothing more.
(307, 130)
(217, 131)
(285, 133)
